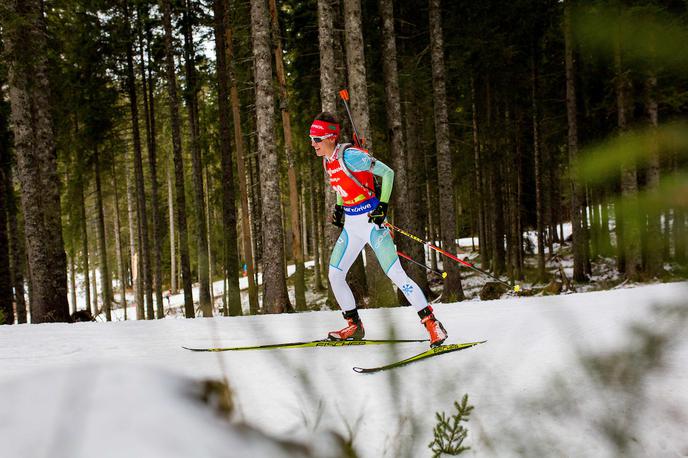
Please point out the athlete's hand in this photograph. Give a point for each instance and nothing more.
(338, 216)
(378, 215)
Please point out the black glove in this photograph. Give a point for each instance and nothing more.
(378, 215)
(338, 216)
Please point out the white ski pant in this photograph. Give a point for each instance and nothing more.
(356, 233)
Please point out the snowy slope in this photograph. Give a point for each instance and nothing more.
(125, 369)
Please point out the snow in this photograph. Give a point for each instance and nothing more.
(127, 388)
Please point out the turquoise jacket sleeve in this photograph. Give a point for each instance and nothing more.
(358, 161)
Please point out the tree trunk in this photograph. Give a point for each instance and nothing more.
(72, 283)
(653, 261)
(415, 187)
(313, 195)
(242, 175)
(253, 171)
(539, 210)
(121, 270)
(400, 197)
(453, 290)
(29, 91)
(149, 113)
(328, 99)
(478, 176)
(276, 299)
(431, 196)
(102, 245)
(630, 242)
(17, 251)
(486, 153)
(579, 234)
(209, 224)
(518, 272)
(134, 247)
(173, 243)
(7, 315)
(141, 211)
(178, 160)
(297, 248)
(380, 289)
(191, 96)
(84, 246)
(229, 216)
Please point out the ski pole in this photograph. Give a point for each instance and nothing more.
(516, 288)
(405, 256)
(358, 141)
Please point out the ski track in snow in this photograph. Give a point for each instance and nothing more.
(293, 392)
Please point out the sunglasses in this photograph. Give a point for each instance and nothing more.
(319, 139)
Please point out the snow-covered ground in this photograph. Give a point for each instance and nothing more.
(125, 389)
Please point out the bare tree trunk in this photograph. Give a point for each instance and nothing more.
(430, 196)
(191, 96)
(94, 282)
(486, 153)
(453, 290)
(246, 215)
(653, 262)
(142, 220)
(629, 243)
(395, 130)
(539, 210)
(84, 248)
(415, 187)
(173, 243)
(518, 270)
(209, 224)
(253, 171)
(512, 202)
(178, 161)
(18, 256)
(313, 192)
(328, 99)
(137, 280)
(297, 249)
(7, 315)
(72, 284)
(549, 193)
(149, 114)
(380, 289)
(29, 93)
(102, 245)
(477, 164)
(15, 237)
(497, 210)
(121, 270)
(276, 299)
(229, 214)
(579, 234)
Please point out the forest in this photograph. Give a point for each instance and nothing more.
(153, 147)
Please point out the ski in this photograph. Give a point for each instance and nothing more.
(313, 343)
(442, 349)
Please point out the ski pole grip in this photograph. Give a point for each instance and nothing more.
(344, 94)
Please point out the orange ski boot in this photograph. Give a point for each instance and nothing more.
(437, 332)
(353, 331)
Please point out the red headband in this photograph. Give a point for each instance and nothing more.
(322, 128)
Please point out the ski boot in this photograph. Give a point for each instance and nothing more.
(437, 332)
(354, 330)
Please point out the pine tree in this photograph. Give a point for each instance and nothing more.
(180, 204)
(29, 91)
(275, 298)
(453, 290)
